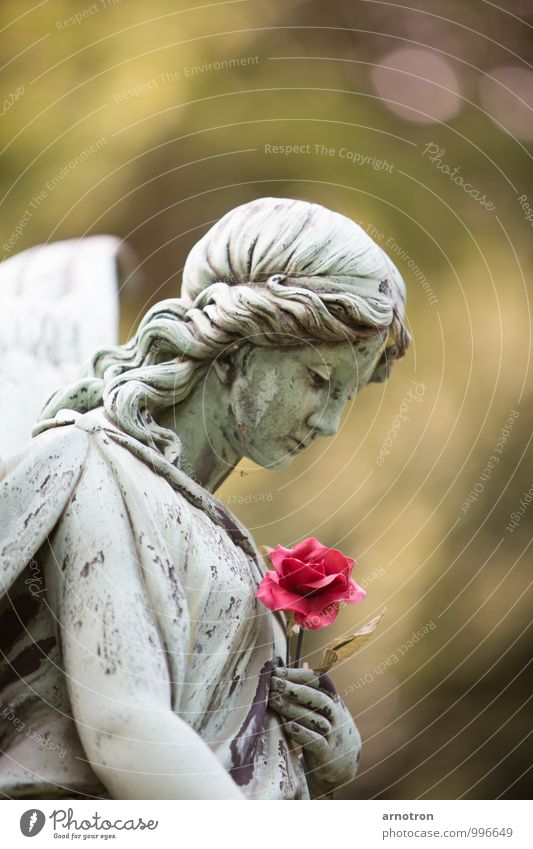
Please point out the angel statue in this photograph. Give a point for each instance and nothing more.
(137, 662)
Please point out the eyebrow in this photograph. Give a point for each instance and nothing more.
(324, 367)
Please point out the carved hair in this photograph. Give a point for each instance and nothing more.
(273, 272)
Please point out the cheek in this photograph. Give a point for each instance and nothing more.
(288, 405)
(254, 398)
(269, 404)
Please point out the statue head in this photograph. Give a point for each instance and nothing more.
(277, 293)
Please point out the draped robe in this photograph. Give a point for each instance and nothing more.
(89, 515)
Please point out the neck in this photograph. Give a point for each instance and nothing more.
(207, 455)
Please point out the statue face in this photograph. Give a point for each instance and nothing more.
(278, 400)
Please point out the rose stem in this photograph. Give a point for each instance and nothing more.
(299, 647)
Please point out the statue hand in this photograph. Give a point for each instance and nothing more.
(320, 723)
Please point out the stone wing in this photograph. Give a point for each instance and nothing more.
(58, 304)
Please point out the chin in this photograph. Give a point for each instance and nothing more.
(275, 463)
(280, 465)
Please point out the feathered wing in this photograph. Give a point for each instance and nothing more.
(58, 304)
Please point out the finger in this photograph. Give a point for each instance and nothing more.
(327, 685)
(310, 719)
(298, 676)
(305, 696)
(318, 680)
(309, 740)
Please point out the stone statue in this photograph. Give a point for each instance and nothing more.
(146, 668)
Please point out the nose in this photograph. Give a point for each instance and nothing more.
(326, 421)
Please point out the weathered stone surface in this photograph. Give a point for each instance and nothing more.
(140, 664)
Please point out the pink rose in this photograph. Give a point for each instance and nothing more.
(310, 580)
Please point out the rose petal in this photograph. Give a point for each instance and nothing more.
(276, 598)
(291, 601)
(326, 598)
(317, 619)
(278, 555)
(336, 561)
(309, 549)
(297, 574)
(355, 593)
(310, 580)
(294, 564)
(326, 582)
(267, 589)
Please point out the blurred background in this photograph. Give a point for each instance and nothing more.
(149, 121)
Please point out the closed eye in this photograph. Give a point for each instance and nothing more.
(318, 380)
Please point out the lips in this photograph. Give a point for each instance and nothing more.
(296, 444)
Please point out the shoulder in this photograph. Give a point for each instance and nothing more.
(142, 477)
(38, 481)
(44, 468)
(125, 473)
(60, 442)
(35, 486)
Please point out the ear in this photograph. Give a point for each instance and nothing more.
(384, 365)
(229, 362)
(224, 370)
